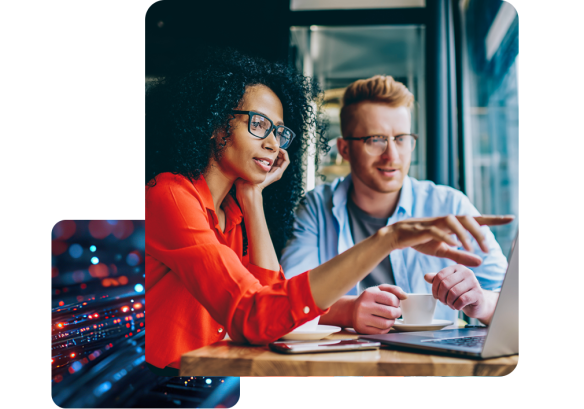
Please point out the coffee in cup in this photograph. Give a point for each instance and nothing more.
(309, 326)
(418, 309)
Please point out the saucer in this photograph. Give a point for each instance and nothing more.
(320, 332)
(435, 325)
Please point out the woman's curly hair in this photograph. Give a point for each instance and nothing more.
(185, 109)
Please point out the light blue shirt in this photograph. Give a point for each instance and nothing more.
(322, 231)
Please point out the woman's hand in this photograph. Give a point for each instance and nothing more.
(249, 192)
(432, 236)
(278, 168)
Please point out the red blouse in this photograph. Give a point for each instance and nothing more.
(199, 286)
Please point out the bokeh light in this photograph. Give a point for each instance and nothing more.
(58, 247)
(123, 229)
(100, 229)
(92, 249)
(99, 271)
(94, 260)
(79, 276)
(138, 288)
(75, 250)
(64, 229)
(133, 259)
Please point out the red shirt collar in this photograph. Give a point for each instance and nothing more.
(233, 213)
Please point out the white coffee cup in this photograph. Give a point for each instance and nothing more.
(418, 308)
(309, 326)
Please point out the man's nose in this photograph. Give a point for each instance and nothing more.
(391, 153)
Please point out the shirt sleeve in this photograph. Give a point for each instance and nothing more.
(254, 304)
(491, 272)
(301, 252)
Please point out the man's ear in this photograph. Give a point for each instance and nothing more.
(343, 148)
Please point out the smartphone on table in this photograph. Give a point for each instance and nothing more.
(311, 347)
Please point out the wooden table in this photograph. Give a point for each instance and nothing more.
(226, 358)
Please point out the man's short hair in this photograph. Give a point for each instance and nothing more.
(380, 88)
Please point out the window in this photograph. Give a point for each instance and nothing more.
(490, 111)
(337, 56)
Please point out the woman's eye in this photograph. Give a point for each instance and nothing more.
(255, 124)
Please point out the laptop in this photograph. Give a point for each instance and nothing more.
(500, 338)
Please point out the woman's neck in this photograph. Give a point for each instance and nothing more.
(219, 184)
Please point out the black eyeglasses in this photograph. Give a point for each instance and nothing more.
(377, 144)
(260, 126)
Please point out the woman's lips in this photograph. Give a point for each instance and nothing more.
(263, 163)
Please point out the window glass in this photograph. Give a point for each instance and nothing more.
(337, 56)
(491, 139)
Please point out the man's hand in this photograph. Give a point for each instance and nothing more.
(431, 235)
(376, 309)
(457, 287)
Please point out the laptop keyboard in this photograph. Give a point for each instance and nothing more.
(477, 341)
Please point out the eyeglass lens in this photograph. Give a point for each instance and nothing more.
(261, 126)
(378, 145)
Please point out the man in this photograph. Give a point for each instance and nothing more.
(378, 144)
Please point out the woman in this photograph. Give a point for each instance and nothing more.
(224, 172)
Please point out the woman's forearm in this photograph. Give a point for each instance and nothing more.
(260, 248)
(331, 280)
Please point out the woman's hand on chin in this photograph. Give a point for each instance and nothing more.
(278, 168)
(249, 192)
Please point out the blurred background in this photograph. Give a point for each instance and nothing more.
(458, 57)
(98, 325)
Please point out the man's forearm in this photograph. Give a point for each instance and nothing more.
(341, 312)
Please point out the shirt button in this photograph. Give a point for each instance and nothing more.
(220, 330)
(306, 310)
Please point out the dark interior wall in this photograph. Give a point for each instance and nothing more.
(174, 27)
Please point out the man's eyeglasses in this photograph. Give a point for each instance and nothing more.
(260, 126)
(377, 144)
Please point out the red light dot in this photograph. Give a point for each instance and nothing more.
(137, 306)
(141, 324)
(95, 315)
(83, 286)
(125, 309)
(128, 325)
(52, 360)
(72, 355)
(61, 303)
(60, 325)
(130, 334)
